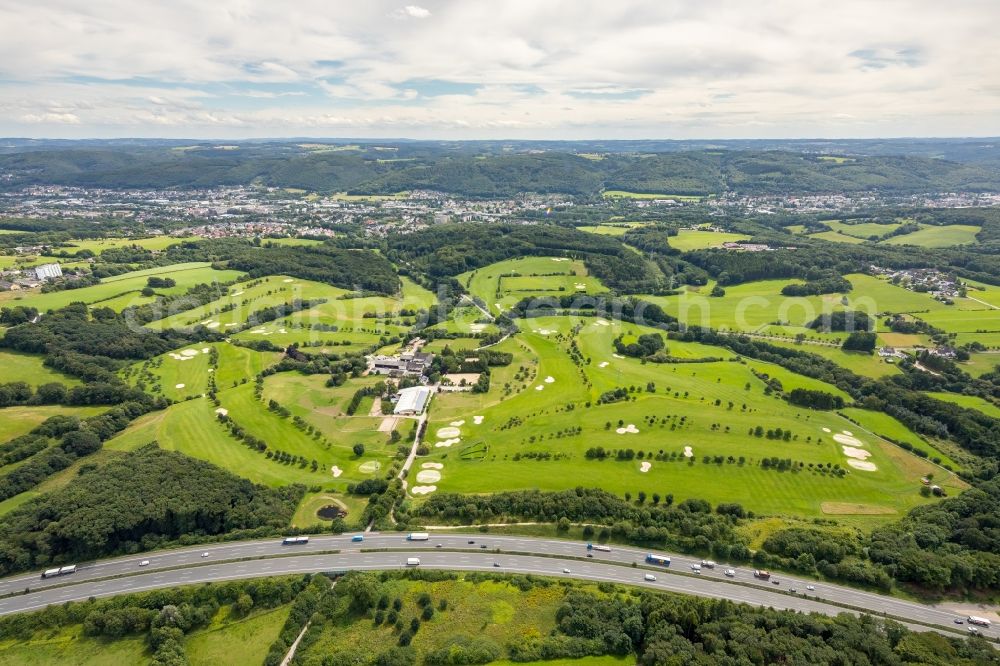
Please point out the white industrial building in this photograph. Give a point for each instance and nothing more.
(48, 271)
(412, 401)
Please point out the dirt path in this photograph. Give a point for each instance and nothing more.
(376, 409)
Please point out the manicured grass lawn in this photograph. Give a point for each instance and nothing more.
(111, 290)
(70, 646)
(837, 237)
(532, 421)
(504, 283)
(886, 426)
(21, 367)
(964, 321)
(236, 641)
(980, 363)
(687, 240)
(16, 421)
(305, 514)
(866, 365)
(934, 236)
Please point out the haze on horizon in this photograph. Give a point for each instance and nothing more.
(501, 69)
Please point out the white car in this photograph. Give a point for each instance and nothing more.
(565, 570)
(650, 577)
(696, 568)
(144, 563)
(205, 554)
(810, 587)
(731, 573)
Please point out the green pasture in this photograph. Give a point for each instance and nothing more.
(20, 367)
(936, 236)
(530, 419)
(155, 243)
(504, 283)
(612, 228)
(862, 230)
(835, 237)
(980, 363)
(866, 365)
(622, 194)
(688, 240)
(17, 421)
(969, 402)
(113, 290)
(70, 646)
(964, 321)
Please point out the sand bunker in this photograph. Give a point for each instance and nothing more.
(540, 387)
(580, 286)
(281, 330)
(237, 293)
(336, 471)
(288, 280)
(457, 424)
(231, 325)
(179, 386)
(847, 439)
(477, 328)
(863, 465)
(428, 476)
(645, 466)
(222, 411)
(477, 419)
(848, 433)
(423, 490)
(432, 465)
(618, 356)
(826, 430)
(211, 370)
(859, 454)
(603, 364)
(630, 429)
(688, 453)
(549, 379)
(445, 433)
(214, 324)
(206, 322)
(560, 259)
(546, 331)
(205, 350)
(446, 443)
(190, 352)
(602, 322)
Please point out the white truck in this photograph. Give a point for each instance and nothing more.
(413, 561)
(60, 571)
(981, 621)
(418, 536)
(295, 541)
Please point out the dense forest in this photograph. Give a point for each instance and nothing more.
(488, 173)
(138, 501)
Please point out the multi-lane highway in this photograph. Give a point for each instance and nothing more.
(549, 557)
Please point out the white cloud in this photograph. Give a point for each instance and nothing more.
(560, 68)
(412, 11)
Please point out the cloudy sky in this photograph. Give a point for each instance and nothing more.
(499, 68)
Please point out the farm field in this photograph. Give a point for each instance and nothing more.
(186, 276)
(504, 283)
(21, 367)
(687, 240)
(97, 246)
(622, 194)
(935, 236)
(612, 228)
(530, 439)
(17, 421)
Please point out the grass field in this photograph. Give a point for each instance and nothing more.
(866, 365)
(612, 228)
(887, 426)
(156, 243)
(70, 646)
(687, 240)
(622, 194)
(16, 421)
(359, 322)
(492, 609)
(862, 230)
(231, 640)
(113, 290)
(497, 453)
(969, 402)
(504, 283)
(837, 237)
(20, 367)
(935, 236)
